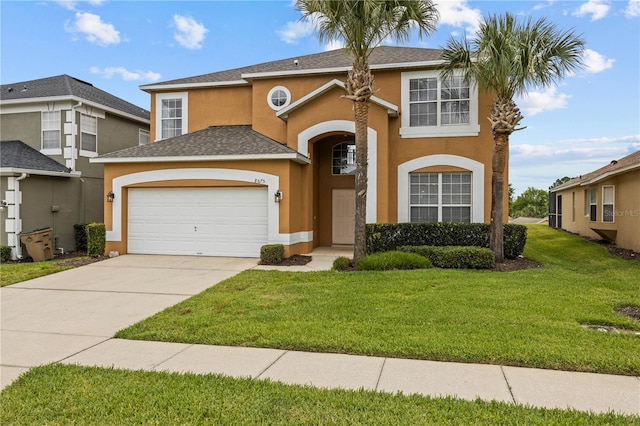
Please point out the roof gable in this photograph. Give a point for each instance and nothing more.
(67, 86)
(392, 110)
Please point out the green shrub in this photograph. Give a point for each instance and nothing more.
(80, 236)
(390, 260)
(455, 256)
(389, 236)
(341, 264)
(271, 254)
(96, 239)
(5, 253)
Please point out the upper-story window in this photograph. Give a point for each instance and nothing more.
(171, 114)
(88, 135)
(278, 97)
(435, 107)
(143, 137)
(51, 132)
(344, 159)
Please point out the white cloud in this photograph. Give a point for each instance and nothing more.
(595, 62)
(72, 5)
(125, 74)
(598, 9)
(189, 34)
(334, 45)
(539, 101)
(544, 5)
(94, 29)
(457, 13)
(633, 9)
(293, 31)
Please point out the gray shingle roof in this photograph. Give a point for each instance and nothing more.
(64, 85)
(19, 155)
(383, 55)
(210, 142)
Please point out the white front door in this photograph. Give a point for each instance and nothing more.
(197, 221)
(343, 216)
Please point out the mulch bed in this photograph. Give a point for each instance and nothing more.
(517, 264)
(295, 260)
(629, 311)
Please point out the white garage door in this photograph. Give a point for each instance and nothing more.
(198, 221)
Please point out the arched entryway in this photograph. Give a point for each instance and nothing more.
(334, 189)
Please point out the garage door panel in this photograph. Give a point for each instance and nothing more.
(198, 221)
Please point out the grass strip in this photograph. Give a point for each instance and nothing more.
(67, 394)
(11, 273)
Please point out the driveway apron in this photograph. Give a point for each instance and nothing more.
(51, 318)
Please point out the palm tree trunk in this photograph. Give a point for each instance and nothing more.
(361, 122)
(499, 162)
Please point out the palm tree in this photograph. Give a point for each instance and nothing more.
(507, 58)
(362, 25)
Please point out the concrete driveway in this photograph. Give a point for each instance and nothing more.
(51, 318)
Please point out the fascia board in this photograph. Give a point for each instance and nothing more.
(7, 171)
(179, 86)
(297, 157)
(612, 173)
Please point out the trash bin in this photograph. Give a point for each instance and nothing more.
(38, 243)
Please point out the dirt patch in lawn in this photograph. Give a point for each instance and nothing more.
(295, 260)
(629, 311)
(517, 264)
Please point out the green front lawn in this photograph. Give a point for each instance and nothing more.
(65, 394)
(525, 318)
(11, 273)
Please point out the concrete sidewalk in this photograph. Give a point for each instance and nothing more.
(598, 393)
(71, 316)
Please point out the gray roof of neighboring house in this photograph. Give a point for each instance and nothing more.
(19, 155)
(65, 85)
(383, 55)
(213, 141)
(630, 162)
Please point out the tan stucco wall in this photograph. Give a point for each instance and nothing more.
(627, 209)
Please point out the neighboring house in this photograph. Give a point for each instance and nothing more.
(265, 154)
(601, 204)
(51, 127)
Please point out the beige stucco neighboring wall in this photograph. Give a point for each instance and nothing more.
(626, 224)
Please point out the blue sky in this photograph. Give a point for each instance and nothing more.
(581, 124)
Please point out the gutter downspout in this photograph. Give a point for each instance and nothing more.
(18, 221)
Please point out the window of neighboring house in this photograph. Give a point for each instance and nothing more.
(435, 107)
(591, 203)
(608, 201)
(440, 197)
(344, 159)
(143, 137)
(278, 97)
(171, 115)
(51, 132)
(88, 135)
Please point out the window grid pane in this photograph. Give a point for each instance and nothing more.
(171, 118)
(344, 159)
(88, 133)
(51, 130)
(423, 102)
(442, 197)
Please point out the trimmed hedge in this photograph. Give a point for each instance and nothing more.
(391, 260)
(341, 264)
(80, 236)
(455, 256)
(389, 236)
(271, 254)
(5, 253)
(96, 239)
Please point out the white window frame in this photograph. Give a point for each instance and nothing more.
(184, 96)
(407, 131)
(611, 203)
(285, 104)
(83, 129)
(589, 203)
(50, 128)
(440, 205)
(144, 135)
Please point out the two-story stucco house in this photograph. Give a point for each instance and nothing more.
(51, 127)
(264, 154)
(604, 203)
